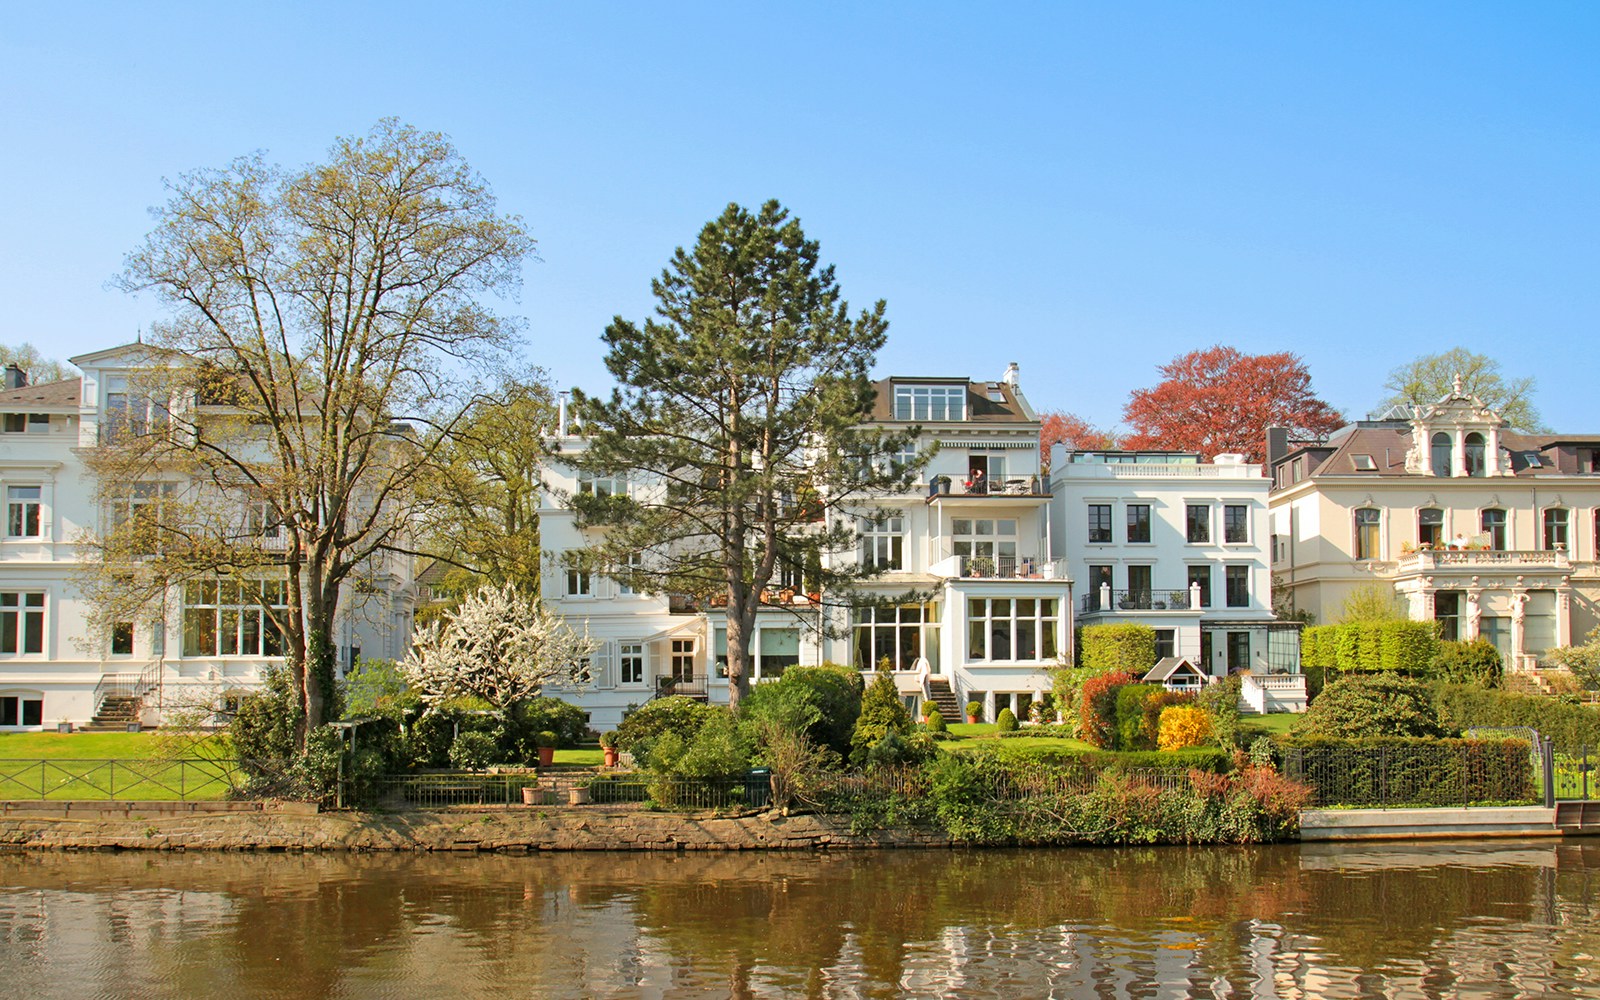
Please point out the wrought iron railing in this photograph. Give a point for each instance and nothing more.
(694, 686)
(1498, 772)
(1135, 600)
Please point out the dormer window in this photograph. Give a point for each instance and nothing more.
(1364, 463)
(930, 402)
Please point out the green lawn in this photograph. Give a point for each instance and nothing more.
(84, 746)
(1275, 724)
(983, 734)
(585, 756)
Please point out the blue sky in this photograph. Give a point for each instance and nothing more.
(1087, 190)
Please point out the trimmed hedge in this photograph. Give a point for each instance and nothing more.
(1213, 759)
(1462, 706)
(1368, 647)
(1413, 772)
(1128, 646)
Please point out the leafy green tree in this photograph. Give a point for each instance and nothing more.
(1428, 379)
(826, 698)
(40, 369)
(739, 422)
(328, 331)
(1476, 662)
(1371, 602)
(1583, 661)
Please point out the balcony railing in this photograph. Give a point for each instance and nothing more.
(998, 568)
(1135, 600)
(1023, 486)
(694, 687)
(1435, 560)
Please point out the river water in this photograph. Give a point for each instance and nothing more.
(1505, 919)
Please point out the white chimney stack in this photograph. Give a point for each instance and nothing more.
(561, 414)
(1010, 377)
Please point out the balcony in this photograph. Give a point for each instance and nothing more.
(944, 487)
(998, 568)
(1108, 600)
(1473, 561)
(694, 686)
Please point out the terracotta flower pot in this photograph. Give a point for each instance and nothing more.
(530, 795)
(547, 756)
(973, 719)
(611, 756)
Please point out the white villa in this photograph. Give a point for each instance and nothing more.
(211, 643)
(973, 540)
(1489, 532)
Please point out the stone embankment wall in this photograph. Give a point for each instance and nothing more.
(293, 827)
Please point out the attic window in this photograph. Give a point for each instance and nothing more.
(1364, 463)
(996, 394)
(1533, 460)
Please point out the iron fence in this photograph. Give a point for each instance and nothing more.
(450, 788)
(136, 780)
(1486, 772)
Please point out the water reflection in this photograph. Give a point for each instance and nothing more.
(1446, 920)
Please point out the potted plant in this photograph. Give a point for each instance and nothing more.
(64, 726)
(546, 741)
(608, 746)
(941, 484)
(530, 794)
(578, 794)
(974, 711)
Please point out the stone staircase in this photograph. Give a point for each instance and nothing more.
(945, 699)
(116, 711)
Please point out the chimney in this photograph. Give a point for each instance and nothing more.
(1277, 445)
(561, 414)
(1010, 377)
(16, 378)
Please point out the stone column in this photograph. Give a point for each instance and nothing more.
(1491, 458)
(1564, 615)
(1458, 452)
(1519, 612)
(1474, 615)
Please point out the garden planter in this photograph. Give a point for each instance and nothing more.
(578, 796)
(973, 719)
(63, 727)
(610, 756)
(547, 756)
(530, 795)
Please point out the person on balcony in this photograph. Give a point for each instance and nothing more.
(1458, 543)
(975, 482)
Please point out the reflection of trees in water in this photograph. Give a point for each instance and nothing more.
(1098, 921)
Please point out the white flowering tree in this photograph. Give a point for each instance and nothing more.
(499, 645)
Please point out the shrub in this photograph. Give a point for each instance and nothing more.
(263, 727)
(1098, 708)
(1043, 711)
(1221, 701)
(1128, 647)
(1183, 726)
(1030, 752)
(678, 714)
(1378, 705)
(832, 691)
(1130, 716)
(974, 709)
(1463, 706)
(935, 722)
(376, 687)
(1006, 721)
(881, 712)
(717, 749)
(1476, 662)
(534, 715)
(474, 751)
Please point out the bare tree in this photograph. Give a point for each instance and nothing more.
(326, 329)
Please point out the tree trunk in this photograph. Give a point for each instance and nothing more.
(741, 624)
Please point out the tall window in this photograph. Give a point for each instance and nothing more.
(1237, 580)
(1139, 585)
(262, 520)
(1201, 575)
(1098, 576)
(1494, 525)
(988, 544)
(1235, 523)
(1440, 454)
(899, 634)
(224, 618)
(122, 639)
(1367, 521)
(1166, 643)
(1238, 651)
(1099, 522)
(1447, 612)
(1474, 452)
(1430, 527)
(130, 413)
(579, 583)
(138, 515)
(21, 621)
(930, 402)
(780, 649)
(882, 543)
(683, 659)
(1555, 529)
(1197, 523)
(22, 511)
(1138, 522)
(1006, 628)
(630, 660)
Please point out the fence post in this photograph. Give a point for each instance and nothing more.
(1586, 772)
(1548, 760)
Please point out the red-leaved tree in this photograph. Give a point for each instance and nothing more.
(1074, 432)
(1222, 400)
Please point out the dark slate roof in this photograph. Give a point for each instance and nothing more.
(54, 395)
(980, 408)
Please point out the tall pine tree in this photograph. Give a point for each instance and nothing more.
(738, 421)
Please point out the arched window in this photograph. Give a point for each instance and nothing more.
(1367, 521)
(1555, 529)
(1474, 454)
(1430, 528)
(1494, 525)
(1441, 454)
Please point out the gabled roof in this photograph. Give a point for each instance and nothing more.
(53, 397)
(1172, 666)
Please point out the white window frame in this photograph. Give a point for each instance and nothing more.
(916, 402)
(16, 505)
(17, 609)
(229, 608)
(1245, 508)
(988, 621)
(883, 543)
(633, 664)
(577, 583)
(602, 486)
(1205, 523)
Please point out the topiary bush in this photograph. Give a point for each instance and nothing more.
(1462, 706)
(1006, 721)
(974, 710)
(934, 723)
(1375, 705)
(881, 712)
(678, 714)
